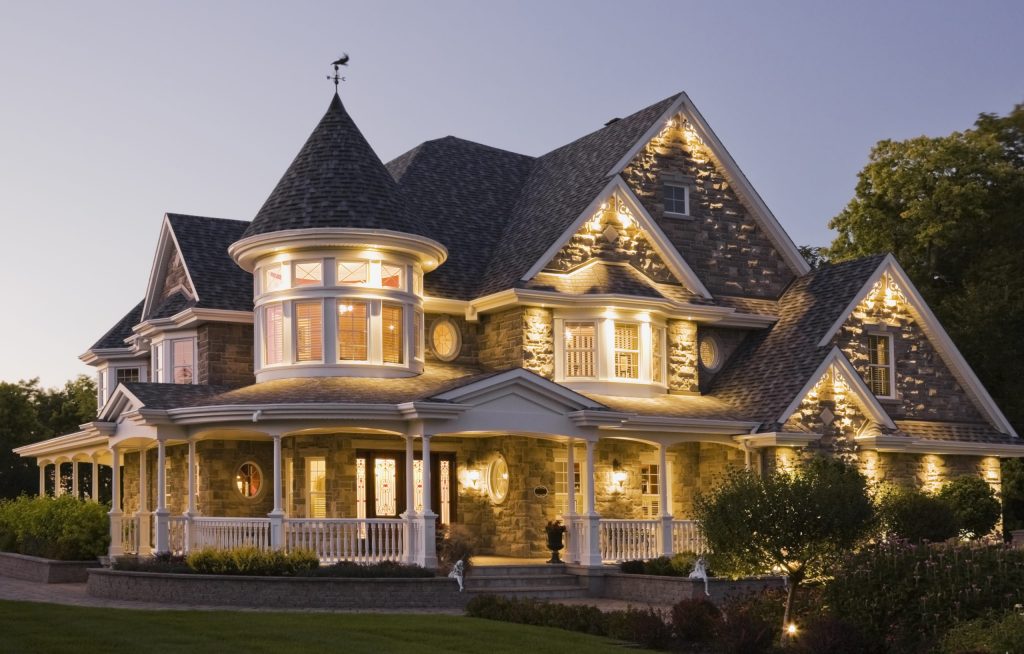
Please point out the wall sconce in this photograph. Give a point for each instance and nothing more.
(619, 476)
(470, 476)
(473, 477)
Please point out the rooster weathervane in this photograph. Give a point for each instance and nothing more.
(343, 61)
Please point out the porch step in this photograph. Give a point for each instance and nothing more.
(538, 592)
(539, 570)
(534, 581)
(531, 581)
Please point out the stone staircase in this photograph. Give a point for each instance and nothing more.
(536, 581)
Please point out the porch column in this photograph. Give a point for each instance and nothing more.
(277, 515)
(572, 555)
(590, 547)
(116, 547)
(428, 518)
(162, 514)
(74, 479)
(42, 478)
(410, 531)
(663, 501)
(143, 529)
(95, 479)
(190, 512)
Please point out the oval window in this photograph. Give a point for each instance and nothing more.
(445, 339)
(710, 356)
(497, 479)
(249, 479)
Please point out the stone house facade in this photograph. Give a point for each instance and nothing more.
(470, 338)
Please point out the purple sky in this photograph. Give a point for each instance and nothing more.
(113, 113)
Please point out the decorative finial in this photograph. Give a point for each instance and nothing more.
(337, 78)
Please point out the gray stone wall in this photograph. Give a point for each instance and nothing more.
(682, 356)
(468, 354)
(720, 240)
(538, 341)
(225, 354)
(501, 339)
(218, 461)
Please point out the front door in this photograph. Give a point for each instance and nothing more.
(380, 484)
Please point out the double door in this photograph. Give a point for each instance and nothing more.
(381, 484)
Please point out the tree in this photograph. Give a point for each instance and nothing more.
(816, 257)
(974, 505)
(1013, 494)
(915, 516)
(801, 522)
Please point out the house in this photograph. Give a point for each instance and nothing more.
(470, 336)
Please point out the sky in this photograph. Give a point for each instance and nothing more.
(114, 113)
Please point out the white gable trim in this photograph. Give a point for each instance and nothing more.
(867, 399)
(673, 259)
(744, 189)
(121, 401)
(571, 400)
(933, 329)
(161, 260)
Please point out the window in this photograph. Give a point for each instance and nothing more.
(562, 485)
(309, 331)
(650, 490)
(390, 276)
(352, 273)
(273, 278)
(127, 375)
(417, 334)
(308, 273)
(182, 352)
(158, 369)
(417, 282)
(627, 350)
(657, 354)
(880, 365)
(445, 339)
(580, 341)
(676, 199)
(316, 487)
(391, 337)
(249, 479)
(710, 354)
(273, 334)
(352, 331)
(497, 479)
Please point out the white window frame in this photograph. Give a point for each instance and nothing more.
(650, 503)
(194, 365)
(891, 366)
(403, 346)
(615, 350)
(564, 353)
(686, 199)
(562, 497)
(309, 486)
(337, 273)
(306, 262)
(295, 330)
(604, 368)
(369, 330)
(285, 281)
(264, 344)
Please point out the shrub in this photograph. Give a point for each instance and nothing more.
(992, 635)
(60, 528)
(453, 544)
(253, 561)
(164, 563)
(830, 635)
(586, 619)
(696, 621)
(974, 505)
(911, 514)
(680, 565)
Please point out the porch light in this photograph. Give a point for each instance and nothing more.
(474, 478)
(791, 629)
(619, 476)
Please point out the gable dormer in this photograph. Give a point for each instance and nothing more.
(170, 285)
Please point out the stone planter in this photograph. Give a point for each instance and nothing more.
(277, 592)
(655, 589)
(44, 571)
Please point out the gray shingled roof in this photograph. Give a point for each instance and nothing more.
(121, 330)
(336, 180)
(171, 305)
(204, 247)
(955, 431)
(603, 278)
(765, 374)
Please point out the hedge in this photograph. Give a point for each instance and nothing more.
(63, 528)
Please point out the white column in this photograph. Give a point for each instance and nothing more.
(74, 480)
(425, 453)
(192, 479)
(277, 515)
(590, 547)
(116, 548)
(142, 524)
(42, 478)
(666, 510)
(162, 514)
(58, 487)
(572, 553)
(411, 532)
(95, 479)
(589, 498)
(428, 518)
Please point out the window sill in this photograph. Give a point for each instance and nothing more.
(678, 216)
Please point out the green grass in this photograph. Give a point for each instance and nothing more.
(31, 627)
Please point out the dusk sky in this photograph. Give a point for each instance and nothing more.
(114, 113)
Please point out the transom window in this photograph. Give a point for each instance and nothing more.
(627, 350)
(309, 330)
(182, 354)
(580, 349)
(273, 278)
(880, 364)
(390, 276)
(353, 273)
(676, 198)
(353, 330)
(308, 273)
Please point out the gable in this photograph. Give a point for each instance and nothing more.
(168, 276)
(932, 379)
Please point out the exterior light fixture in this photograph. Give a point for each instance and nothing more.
(619, 476)
(791, 629)
(473, 477)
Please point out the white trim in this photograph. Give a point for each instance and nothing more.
(868, 400)
(777, 439)
(572, 400)
(932, 329)
(739, 182)
(673, 259)
(158, 270)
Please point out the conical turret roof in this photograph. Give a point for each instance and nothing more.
(336, 180)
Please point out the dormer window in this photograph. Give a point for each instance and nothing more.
(880, 365)
(182, 352)
(676, 198)
(308, 273)
(580, 349)
(353, 273)
(627, 350)
(611, 352)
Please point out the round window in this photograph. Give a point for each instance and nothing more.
(445, 339)
(710, 356)
(497, 479)
(249, 479)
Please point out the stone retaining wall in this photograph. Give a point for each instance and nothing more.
(277, 592)
(652, 589)
(44, 571)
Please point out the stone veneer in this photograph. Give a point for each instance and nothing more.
(729, 340)
(720, 239)
(520, 337)
(682, 356)
(225, 354)
(468, 352)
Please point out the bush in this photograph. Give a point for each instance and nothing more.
(696, 621)
(163, 563)
(680, 565)
(60, 528)
(645, 627)
(751, 623)
(992, 635)
(912, 515)
(974, 504)
(831, 635)
(253, 561)
(585, 619)
(453, 544)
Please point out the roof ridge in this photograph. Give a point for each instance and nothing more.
(190, 216)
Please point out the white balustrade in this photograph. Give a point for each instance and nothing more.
(626, 540)
(686, 537)
(226, 533)
(358, 540)
(129, 533)
(177, 533)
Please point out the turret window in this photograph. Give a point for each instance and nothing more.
(308, 273)
(353, 273)
(309, 345)
(391, 333)
(390, 276)
(353, 328)
(273, 334)
(182, 352)
(273, 278)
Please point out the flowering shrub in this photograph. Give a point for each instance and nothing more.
(60, 528)
(904, 597)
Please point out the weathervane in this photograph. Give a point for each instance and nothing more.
(336, 77)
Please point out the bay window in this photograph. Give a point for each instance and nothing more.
(627, 350)
(595, 348)
(580, 350)
(273, 334)
(309, 330)
(391, 333)
(353, 330)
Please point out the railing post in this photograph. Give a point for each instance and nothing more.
(116, 530)
(162, 539)
(277, 515)
(590, 522)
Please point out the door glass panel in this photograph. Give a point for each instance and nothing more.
(385, 482)
(317, 483)
(446, 491)
(417, 480)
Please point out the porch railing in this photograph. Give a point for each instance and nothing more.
(225, 533)
(686, 537)
(128, 531)
(625, 540)
(348, 539)
(177, 534)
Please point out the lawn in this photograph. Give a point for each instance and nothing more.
(30, 627)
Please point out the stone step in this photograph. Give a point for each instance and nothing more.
(515, 571)
(534, 592)
(518, 581)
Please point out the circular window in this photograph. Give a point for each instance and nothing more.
(710, 354)
(445, 339)
(249, 479)
(497, 479)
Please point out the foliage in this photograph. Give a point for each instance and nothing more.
(163, 563)
(974, 505)
(903, 596)
(1013, 494)
(801, 523)
(679, 565)
(915, 516)
(253, 561)
(696, 620)
(453, 544)
(60, 528)
(586, 619)
(816, 257)
(829, 634)
(646, 627)
(751, 625)
(949, 208)
(991, 635)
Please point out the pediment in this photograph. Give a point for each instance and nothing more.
(519, 390)
(169, 274)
